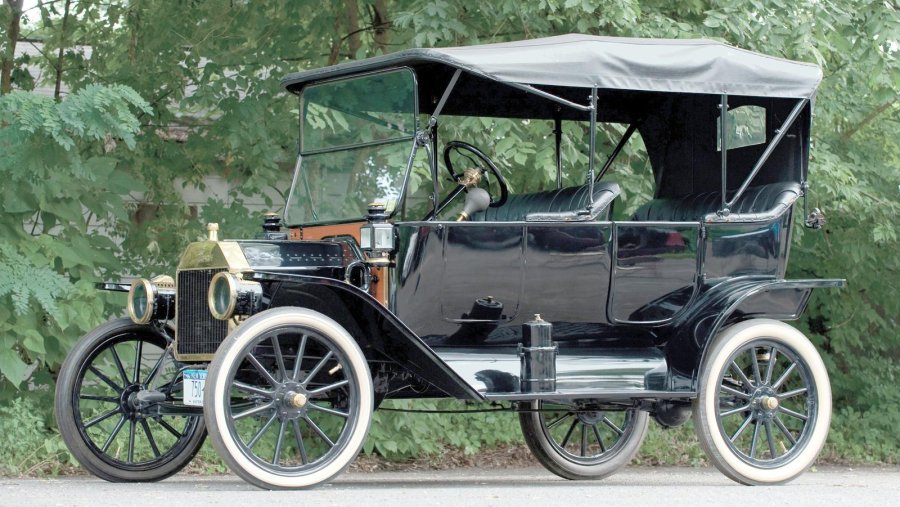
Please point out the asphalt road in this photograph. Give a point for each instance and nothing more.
(660, 486)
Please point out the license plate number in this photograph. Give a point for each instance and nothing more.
(194, 380)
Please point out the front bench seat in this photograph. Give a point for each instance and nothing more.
(759, 203)
(570, 204)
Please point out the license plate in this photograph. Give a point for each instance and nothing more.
(194, 380)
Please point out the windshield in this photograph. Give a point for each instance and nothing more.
(355, 146)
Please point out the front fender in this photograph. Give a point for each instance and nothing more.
(374, 326)
(731, 301)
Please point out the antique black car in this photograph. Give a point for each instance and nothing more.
(398, 273)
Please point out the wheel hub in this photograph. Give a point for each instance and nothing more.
(128, 401)
(292, 400)
(764, 403)
(591, 418)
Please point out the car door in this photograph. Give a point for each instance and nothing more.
(654, 271)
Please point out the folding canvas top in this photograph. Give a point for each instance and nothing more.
(616, 63)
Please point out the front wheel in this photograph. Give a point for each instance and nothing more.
(582, 443)
(764, 402)
(105, 415)
(288, 399)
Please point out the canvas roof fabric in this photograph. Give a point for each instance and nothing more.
(586, 61)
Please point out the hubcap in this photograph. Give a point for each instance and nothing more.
(128, 401)
(590, 418)
(291, 400)
(297, 400)
(768, 402)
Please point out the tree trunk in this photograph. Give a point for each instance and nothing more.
(62, 46)
(336, 40)
(353, 33)
(12, 36)
(134, 22)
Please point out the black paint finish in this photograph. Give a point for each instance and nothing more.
(558, 270)
(658, 287)
(314, 258)
(632, 304)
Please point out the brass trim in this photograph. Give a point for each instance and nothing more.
(296, 400)
(231, 280)
(163, 282)
(470, 177)
(209, 255)
(214, 255)
(150, 289)
(212, 229)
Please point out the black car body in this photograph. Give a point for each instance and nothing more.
(370, 290)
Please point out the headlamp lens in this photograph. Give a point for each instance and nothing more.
(222, 296)
(140, 302)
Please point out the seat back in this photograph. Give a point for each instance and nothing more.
(756, 203)
(565, 204)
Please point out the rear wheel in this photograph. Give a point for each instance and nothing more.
(764, 402)
(580, 443)
(289, 399)
(104, 415)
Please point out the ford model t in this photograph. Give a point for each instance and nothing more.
(408, 264)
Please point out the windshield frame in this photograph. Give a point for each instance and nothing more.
(298, 166)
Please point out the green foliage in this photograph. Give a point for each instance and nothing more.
(29, 442)
(399, 435)
(44, 285)
(93, 114)
(61, 182)
(78, 207)
(864, 436)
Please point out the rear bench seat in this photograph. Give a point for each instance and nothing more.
(762, 202)
(569, 204)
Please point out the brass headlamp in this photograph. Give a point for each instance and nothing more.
(230, 295)
(151, 299)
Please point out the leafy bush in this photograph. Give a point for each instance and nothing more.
(29, 441)
(60, 183)
(400, 435)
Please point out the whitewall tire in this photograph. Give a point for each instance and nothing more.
(288, 399)
(764, 402)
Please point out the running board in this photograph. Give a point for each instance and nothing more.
(582, 373)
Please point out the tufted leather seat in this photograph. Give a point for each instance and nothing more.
(564, 205)
(757, 203)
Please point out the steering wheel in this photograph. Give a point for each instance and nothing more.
(485, 166)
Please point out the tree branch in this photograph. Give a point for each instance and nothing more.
(381, 23)
(868, 119)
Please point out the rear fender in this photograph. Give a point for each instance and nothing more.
(374, 326)
(732, 301)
